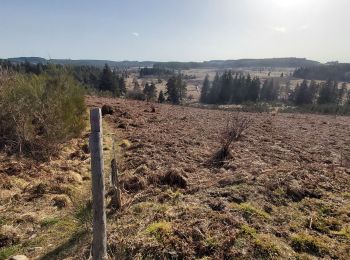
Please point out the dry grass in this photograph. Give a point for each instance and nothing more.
(285, 171)
(47, 203)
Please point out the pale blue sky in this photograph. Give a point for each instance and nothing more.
(182, 30)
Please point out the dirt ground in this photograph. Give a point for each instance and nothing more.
(284, 194)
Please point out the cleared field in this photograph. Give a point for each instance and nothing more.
(284, 194)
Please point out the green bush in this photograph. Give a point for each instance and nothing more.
(37, 113)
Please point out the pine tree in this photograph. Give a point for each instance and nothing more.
(122, 86)
(253, 90)
(328, 93)
(150, 91)
(313, 89)
(226, 87)
(176, 89)
(136, 84)
(302, 94)
(269, 91)
(115, 85)
(214, 91)
(342, 94)
(161, 97)
(106, 79)
(205, 90)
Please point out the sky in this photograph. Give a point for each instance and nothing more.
(175, 30)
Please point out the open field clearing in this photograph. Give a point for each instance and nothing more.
(284, 194)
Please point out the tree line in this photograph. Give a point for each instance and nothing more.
(155, 71)
(339, 72)
(228, 88)
(175, 92)
(237, 88)
(106, 79)
(327, 92)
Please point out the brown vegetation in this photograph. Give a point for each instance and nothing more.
(285, 173)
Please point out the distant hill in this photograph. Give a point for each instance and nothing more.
(225, 64)
(96, 63)
(242, 63)
(333, 71)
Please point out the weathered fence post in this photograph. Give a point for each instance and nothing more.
(99, 243)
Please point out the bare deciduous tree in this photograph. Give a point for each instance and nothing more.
(234, 129)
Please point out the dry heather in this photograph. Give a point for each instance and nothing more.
(38, 201)
(284, 193)
(45, 207)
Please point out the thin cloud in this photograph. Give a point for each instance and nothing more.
(279, 29)
(136, 34)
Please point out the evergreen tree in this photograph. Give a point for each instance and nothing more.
(122, 86)
(226, 87)
(302, 94)
(136, 85)
(150, 91)
(328, 93)
(253, 90)
(115, 85)
(214, 91)
(313, 89)
(106, 79)
(269, 91)
(205, 90)
(161, 97)
(176, 89)
(242, 88)
(342, 94)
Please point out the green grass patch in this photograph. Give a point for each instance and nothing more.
(345, 232)
(249, 208)
(6, 252)
(48, 222)
(306, 243)
(84, 214)
(266, 246)
(159, 229)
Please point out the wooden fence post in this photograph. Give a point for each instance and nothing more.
(99, 243)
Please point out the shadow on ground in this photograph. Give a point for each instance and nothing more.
(76, 241)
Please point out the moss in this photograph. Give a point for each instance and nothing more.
(47, 222)
(159, 229)
(248, 208)
(211, 242)
(345, 232)
(266, 246)
(175, 196)
(6, 252)
(304, 242)
(248, 230)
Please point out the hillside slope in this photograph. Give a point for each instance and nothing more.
(284, 194)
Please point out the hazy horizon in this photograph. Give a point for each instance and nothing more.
(192, 30)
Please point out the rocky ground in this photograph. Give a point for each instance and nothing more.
(285, 193)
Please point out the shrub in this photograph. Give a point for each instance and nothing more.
(37, 113)
(232, 133)
(135, 94)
